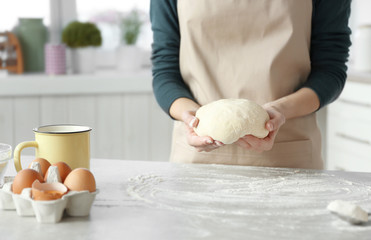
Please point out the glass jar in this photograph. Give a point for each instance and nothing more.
(32, 35)
(5, 156)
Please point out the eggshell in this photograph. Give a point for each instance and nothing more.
(80, 179)
(24, 179)
(44, 164)
(63, 169)
(48, 191)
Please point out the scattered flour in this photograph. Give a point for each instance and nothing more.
(213, 192)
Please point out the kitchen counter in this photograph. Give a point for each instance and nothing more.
(101, 82)
(160, 200)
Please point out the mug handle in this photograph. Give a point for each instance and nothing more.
(18, 150)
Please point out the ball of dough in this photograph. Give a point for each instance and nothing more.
(227, 120)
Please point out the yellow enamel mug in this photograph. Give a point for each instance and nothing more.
(59, 143)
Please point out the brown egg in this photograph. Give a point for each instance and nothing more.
(44, 164)
(24, 179)
(63, 169)
(80, 179)
(47, 191)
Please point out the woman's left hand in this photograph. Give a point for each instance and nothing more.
(277, 119)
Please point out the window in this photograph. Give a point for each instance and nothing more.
(10, 11)
(108, 16)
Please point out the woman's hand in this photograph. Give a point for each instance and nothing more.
(206, 144)
(277, 119)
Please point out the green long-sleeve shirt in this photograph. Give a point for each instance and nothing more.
(329, 51)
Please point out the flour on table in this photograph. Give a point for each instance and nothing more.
(235, 192)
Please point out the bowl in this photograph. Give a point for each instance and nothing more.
(5, 156)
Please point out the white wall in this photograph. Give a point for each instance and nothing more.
(360, 15)
(361, 12)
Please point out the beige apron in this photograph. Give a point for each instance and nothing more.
(253, 49)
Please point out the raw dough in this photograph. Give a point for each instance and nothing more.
(227, 120)
(348, 210)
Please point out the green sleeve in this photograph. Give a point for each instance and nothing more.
(167, 83)
(330, 42)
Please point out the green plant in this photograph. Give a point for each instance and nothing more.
(77, 34)
(131, 27)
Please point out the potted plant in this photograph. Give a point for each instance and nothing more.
(129, 53)
(82, 39)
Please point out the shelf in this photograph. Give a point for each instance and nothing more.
(100, 83)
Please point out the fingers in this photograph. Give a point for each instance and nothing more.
(258, 144)
(195, 140)
(243, 144)
(193, 123)
(251, 142)
(270, 126)
(205, 143)
(189, 119)
(219, 144)
(206, 148)
(273, 124)
(276, 120)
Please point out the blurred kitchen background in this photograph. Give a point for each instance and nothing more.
(50, 76)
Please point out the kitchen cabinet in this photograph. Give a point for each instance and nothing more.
(121, 109)
(348, 126)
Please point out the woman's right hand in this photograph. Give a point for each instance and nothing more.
(202, 144)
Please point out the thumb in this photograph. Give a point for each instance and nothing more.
(275, 121)
(270, 125)
(189, 118)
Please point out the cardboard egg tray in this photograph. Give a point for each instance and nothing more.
(76, 204)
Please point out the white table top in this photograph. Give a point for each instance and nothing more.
(160, 200)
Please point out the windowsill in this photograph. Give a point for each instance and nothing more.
(98, 83)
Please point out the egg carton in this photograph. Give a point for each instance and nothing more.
(76, 204)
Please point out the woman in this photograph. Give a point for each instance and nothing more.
(287, 55)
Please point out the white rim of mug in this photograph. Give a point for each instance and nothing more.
(87, 129)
